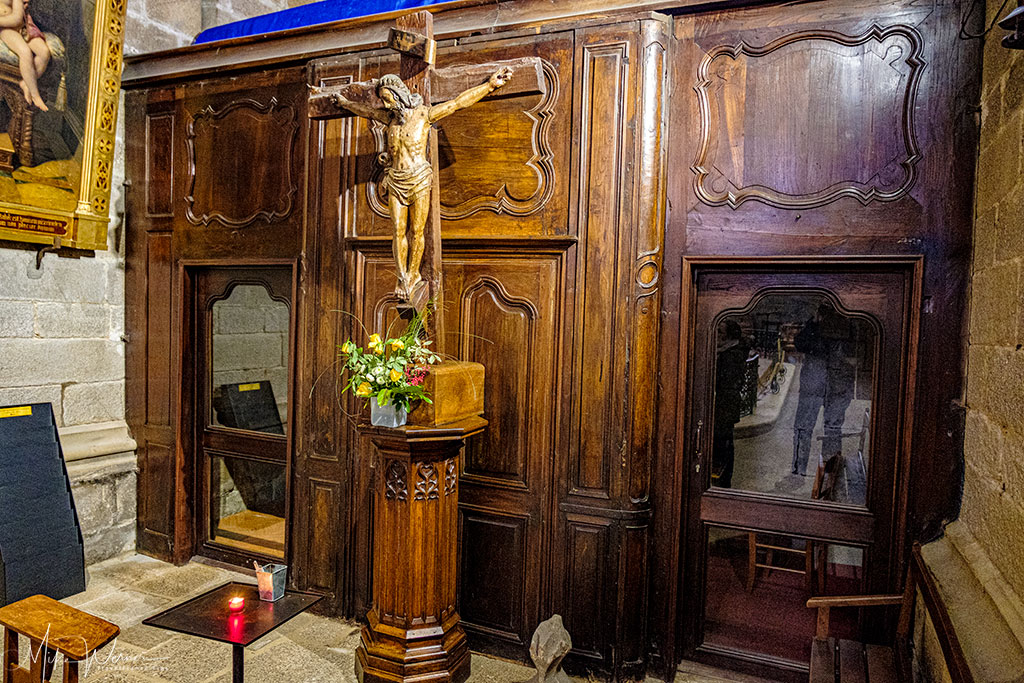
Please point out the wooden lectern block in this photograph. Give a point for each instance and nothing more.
(457, 391)
(413, 631)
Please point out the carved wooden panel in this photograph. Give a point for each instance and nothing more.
(504, 311)
(600, 360)
(648, 251)
(240, 159)
(156, 505)
(587, 547)
(323, 450)
(809, 118)
(488, 309)
(426, 483)
(159, 164)
(504, 314)
(493, 592)
(321, 547)
(503, 163)
(159, 366)
(505, 305)
(396, 485)
(496, 156)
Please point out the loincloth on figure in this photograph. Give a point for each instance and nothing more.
(408, 185)
(30, 30)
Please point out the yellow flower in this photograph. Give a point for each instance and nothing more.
(395, 375)
(348, 347)
(397, 344)
(363, 389)
(376, 345)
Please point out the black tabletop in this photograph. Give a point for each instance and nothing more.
(208, 616)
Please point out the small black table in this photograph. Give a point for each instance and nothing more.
(208, 616)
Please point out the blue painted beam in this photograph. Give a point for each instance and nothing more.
(307, 15)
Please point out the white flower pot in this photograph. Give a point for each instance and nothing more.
(386, 416)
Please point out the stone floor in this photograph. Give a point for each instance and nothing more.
(308, 649)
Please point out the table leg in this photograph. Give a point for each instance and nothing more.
(70, 671)
(49, 659)
(11, 661)
(237, 664)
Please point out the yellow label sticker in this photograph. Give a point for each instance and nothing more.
(249, 387)
(20, 411)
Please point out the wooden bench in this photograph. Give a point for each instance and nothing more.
(50, 627)
(847, 661)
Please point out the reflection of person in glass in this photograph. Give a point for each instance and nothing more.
(729, 374)
(826, 379)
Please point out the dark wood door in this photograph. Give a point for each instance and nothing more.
(795, 461)
(243, 344)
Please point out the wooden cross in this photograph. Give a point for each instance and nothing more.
(413, 38)
(456, 87)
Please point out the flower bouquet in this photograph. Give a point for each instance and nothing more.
(390, 372)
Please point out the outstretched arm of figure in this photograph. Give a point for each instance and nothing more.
(15, 18)
(470, 97)
(358, 109)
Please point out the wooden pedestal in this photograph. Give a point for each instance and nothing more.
(413, 631)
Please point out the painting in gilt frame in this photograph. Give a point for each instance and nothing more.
(60, 76)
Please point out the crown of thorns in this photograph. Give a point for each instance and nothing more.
(400, 90)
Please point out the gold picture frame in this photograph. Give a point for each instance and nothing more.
(70, 221)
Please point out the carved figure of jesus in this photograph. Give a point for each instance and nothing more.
(408, 176)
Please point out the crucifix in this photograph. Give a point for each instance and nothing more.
(413, 631)
(408, 106)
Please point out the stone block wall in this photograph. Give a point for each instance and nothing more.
(250, 342)
(61, 325)
(993, 500)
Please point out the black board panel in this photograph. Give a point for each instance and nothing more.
(40, 536)
(248, 405)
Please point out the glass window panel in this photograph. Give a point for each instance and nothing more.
(247, 505)
(758, 585)
(792, 403)
(250, 361)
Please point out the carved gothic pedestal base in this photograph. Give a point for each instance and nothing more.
(413, 631)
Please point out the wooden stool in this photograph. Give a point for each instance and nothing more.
(51, 627)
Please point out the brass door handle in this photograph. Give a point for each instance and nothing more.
(698, 454)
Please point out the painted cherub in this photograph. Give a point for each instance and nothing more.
(26, 41)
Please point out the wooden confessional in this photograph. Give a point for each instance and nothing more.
(684, 171)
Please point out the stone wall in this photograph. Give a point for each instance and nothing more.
(250, 342)
(61, 325)
(978, 565)
(993, 502)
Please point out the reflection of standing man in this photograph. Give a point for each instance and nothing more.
(826, 379)
(730, 371)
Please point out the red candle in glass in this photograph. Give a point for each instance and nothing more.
(236, 604)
